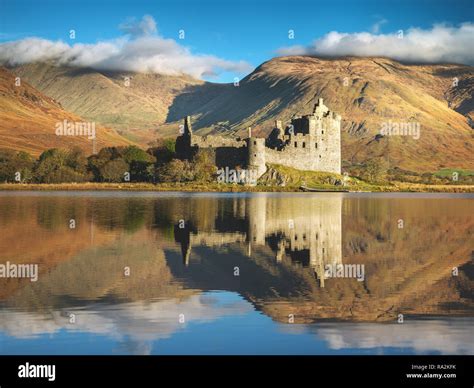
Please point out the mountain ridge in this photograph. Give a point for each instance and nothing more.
(28, 120)
(367, 92)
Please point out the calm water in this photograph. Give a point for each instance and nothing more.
(156, 273)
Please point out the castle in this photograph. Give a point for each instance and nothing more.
(311, 142)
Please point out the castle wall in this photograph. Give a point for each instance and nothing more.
(312, 143)
(231, 157)
(216, 142)
(320, 152)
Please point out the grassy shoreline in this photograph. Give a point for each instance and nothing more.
(216, 187)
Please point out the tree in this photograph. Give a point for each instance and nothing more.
(77, 160)
(175, 171)
(375, 170)
(96, 163)
(163, 150)
(49, 162)
(135, 154)
(204, 167)
(57, 166)
(114, 170)
(16, 166)
(140, 162)
(25, 164)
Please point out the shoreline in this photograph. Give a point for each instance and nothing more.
(397, 187)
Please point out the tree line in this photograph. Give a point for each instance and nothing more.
(111, 164)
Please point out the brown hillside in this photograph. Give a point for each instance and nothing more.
(134, 104)
(28, 119)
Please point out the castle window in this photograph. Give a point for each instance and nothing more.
(315, 145)
(319, 156)
(255, 142)
(322, 132)
(304, 145)
(296, 144)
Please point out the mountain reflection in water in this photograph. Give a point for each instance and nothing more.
(237, 273)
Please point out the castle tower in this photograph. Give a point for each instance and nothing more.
(187, 125)
(279, 128)
(320, 109)
(256, 156)
(184, 140)
(256, 218)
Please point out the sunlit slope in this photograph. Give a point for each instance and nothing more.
(125, 101)
(28, 121)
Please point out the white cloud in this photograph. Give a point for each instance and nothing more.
(441, 43)
(445, 336)
(146, 26)
(141, 50)
(135, 324)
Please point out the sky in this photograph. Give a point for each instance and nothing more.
(227, 39)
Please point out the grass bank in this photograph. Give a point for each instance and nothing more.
(216, 187)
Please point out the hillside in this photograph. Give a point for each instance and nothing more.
(28, 119)
(367, 92)
(134, 104)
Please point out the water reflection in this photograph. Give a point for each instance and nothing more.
(305, 231)
(145, 270)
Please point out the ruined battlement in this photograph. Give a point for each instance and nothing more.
(211, 141)
(309, 142)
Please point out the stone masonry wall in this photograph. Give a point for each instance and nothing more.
(312, 144)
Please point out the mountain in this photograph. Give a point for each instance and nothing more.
(28, 120)
(134, 104)
(367, 92)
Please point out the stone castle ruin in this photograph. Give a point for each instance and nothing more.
(311, 142)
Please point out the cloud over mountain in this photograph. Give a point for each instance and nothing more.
(441, 43)
(142, 49)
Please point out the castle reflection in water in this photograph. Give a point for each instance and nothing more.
(307, 232)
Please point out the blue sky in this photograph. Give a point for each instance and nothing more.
(242, 30)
